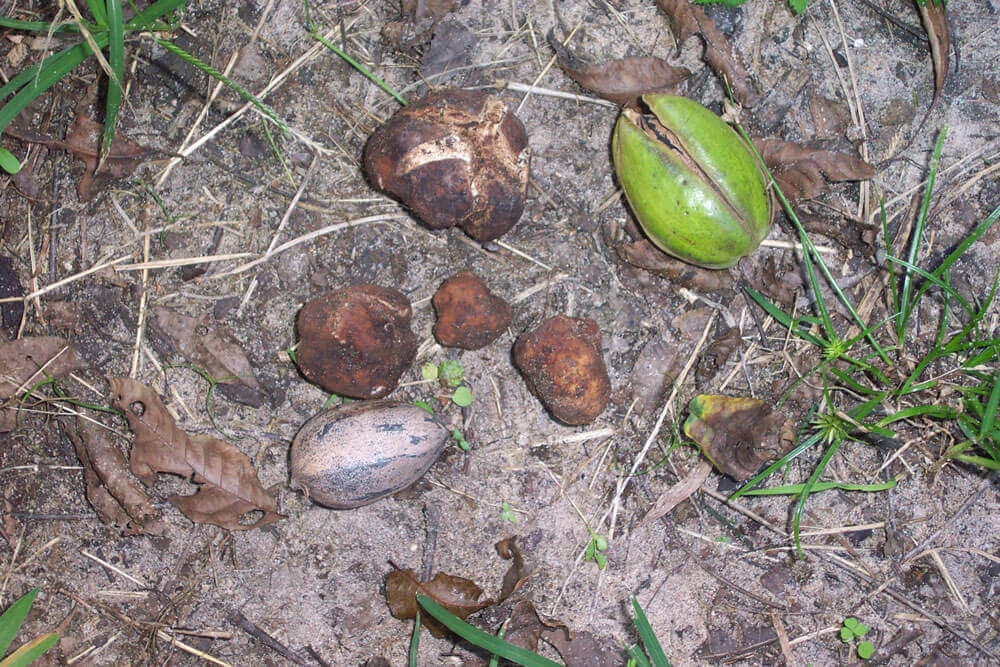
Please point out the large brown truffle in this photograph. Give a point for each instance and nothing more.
(562, 364)
(469, 315)
(357, 341)
(455, 157)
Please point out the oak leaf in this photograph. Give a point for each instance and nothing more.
(27, 361)
(230, 487)
(802, 172)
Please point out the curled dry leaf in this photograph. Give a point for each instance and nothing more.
(679, 492)
(622, 81)
(518, 572)
(737, 435)
(655, 369)
(213, 348)
(802, 172)
(83, 139)
(687, 19)
(577, 649)
(118, 498)
(644, 255)
(935, 19)
(418, 10)
(229, 484)
(458, 595)
(25, 362)
(717, 354)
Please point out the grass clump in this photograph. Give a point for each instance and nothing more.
(878, 377)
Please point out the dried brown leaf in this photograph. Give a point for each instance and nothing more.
(161, 446)
(27, 361)
(802, 172)
(212, 348)
(577, 649)
(935, 19)
(644, 255)
(736, 434)
(83, 139)
(118, 498)
(622, 81)
(458, 595)
(717, 354)
(418, 10)
(518, 572)
(679, 492)
(655, 369)
(687, 19)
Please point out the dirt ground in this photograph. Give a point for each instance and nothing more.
(718, 584)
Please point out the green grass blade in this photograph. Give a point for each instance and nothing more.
(636, 654)
(794, 452)
(905, 305)
(989, 417)
(226, 81)
(9, 162)
(38, 26)
(795, 489)
(53, 69)
(414, 653)
(99, 11)
(934, 280)
(116, 58)
(978, 460)
(807, 489)
(482, 639)
(145, 19)
(31, 651)
(933, 411)
(782, 317)
(648, 637)
(11, 620)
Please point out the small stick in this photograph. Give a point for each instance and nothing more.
(432, 514)
(264, 638)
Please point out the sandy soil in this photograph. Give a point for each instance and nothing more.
(715, 582)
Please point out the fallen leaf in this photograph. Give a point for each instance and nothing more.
(161, 446)
(118, 498)
(212, 348)
(27, 361)
(83, 139)
(452, 46)
(737, 435)
(802, 172)
(577, 649)
(622, 81)
(679, 492)
(687, 19)
(655, 369)
(517, 573)
(418, 10)
(644, 255)
(717, 354)
(458, 595)
(10, 285)
(935, 19)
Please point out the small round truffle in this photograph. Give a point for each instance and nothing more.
(562, 364)
(455, 157)
(357, 341)
(469, 315)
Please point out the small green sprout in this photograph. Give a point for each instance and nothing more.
(462, 397)
(423, 405)
(451, 373)
(429, 371)
(595, 550)
(506, 513)
(853, 630)
(460, 439)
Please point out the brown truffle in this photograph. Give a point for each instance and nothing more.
(562, 364)
(357, 341)
(469, 315)
(455, 157)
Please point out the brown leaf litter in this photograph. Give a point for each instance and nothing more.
(686, 20)
(577, 649)
(802, 172)
(644, 255)
(458, 595)
(229, 487)
(935, 20)
(622, 81)
(27, 361)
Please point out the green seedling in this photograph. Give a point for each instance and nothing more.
(429, 371)
(212, 382)
(451, 373)
(460, 439)
(423, 405)
(853, 630)
(506, 513)
(462, 397)
(861, 375)
(10, 623)
(595, 550)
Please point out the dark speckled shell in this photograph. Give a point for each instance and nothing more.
(361, 452)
